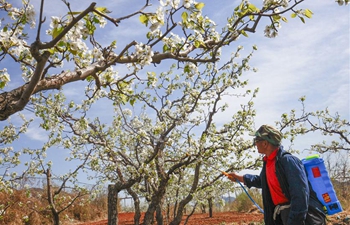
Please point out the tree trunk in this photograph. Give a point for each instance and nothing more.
(210, 202)
(136, 199)
(155, 201)
(112, 205)
(159, 215)
(191, 213)
(180, 212)
(56, 218)
(203, 207)
(168, 213)
(51, 199)
(187, 199)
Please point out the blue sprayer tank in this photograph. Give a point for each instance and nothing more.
(321, 183)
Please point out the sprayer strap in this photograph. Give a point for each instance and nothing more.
(278, 210)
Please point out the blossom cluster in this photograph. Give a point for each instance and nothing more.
(144, 53)
(270, 31)
(12, 35)
(282, 3)
(4, 78)
(26, 12)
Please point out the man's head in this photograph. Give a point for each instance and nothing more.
(269, 134)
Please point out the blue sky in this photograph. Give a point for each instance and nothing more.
(310, 59)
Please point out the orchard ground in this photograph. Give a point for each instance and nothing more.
(225, 218)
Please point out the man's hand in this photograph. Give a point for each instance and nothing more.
(233, 176)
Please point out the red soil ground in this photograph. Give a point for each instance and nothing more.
(198, 219)
(219, 218)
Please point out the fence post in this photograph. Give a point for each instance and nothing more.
(112, 205)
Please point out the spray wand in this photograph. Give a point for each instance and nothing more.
(250, 197)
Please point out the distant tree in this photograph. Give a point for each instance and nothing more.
(322, 122)
(63, 191)
(338, 167)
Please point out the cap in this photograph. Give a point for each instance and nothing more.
(270, 134)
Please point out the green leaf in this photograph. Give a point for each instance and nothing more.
(293, 15)
(165, 48)
(90, 26)
(149, 35)
(52, 51)
(61, 44)
(308, 13)
(24, 19)
(197, 43)
(132, 101)
(244, 33)
(240, 7)
(144, 19)
(253, 8)
(90, 78)
(187, 69)
(101, 9)
(56, 31)
(284, 19)
(184, 16)
(96, 20)
(302, 19)
(276, 18)
(199, 6)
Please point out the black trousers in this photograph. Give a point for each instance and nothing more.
(313, 217)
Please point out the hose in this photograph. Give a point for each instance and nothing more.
(245, 190)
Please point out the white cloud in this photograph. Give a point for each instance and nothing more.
(35, 133)
(310, 59)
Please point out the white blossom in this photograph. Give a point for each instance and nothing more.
(4, 77)
(270, 32)
(55, 21)
(127, 112)
(283, 3)
(103, 22)
(30, 13)
(144, 54)
(175, 3)
(187, 3)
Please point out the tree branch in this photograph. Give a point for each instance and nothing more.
(66, 29)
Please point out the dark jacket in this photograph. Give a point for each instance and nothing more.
(291, 175)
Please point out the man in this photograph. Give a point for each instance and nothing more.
(286, 193)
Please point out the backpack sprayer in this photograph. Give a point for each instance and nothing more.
(321, 183)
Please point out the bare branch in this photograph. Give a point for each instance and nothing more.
(41, 20)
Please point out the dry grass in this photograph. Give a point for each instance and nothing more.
(31, 208)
